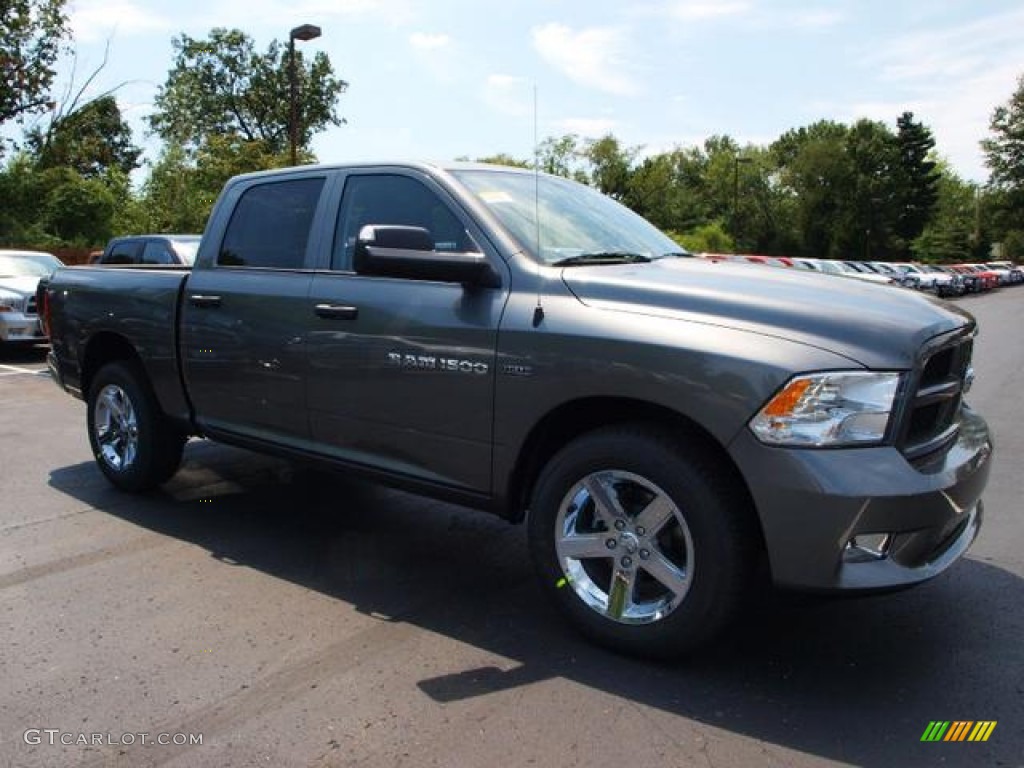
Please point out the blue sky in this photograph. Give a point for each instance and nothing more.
(439, 79)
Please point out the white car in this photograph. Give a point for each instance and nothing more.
(841, 268)
(20, 272)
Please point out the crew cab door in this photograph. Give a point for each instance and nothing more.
(245, 307)
(402, 371)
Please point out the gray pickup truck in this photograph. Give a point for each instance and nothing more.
(671, 428)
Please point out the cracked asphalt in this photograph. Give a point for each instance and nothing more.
(289, 618)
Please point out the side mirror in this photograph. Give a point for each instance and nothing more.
(408, 252)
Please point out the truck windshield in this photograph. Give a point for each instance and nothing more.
(577, 224)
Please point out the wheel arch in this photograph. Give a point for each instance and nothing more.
(577, 417)
(103, 348)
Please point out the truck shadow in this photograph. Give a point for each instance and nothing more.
(852, 680)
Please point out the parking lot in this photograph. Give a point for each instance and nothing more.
(287, 618)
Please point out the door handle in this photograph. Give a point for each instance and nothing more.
(336, 312)
(201, 300)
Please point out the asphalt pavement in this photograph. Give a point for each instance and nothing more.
(286, 618)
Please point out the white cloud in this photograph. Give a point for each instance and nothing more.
(819, 19)
(704, 11)
(595, 57)
(591, 127)
(426, 42)
(278, 16)
(94, 20)
(953, 77)
(508, 95)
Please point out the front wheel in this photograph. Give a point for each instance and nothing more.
(134, 444)
(647, 546)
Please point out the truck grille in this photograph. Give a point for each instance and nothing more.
(932, 416)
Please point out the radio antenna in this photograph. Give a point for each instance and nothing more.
(538, 311)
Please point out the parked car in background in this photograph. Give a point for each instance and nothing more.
(1001, 272)
(20, 273)
(179, 250)
(989, 279)
(944, 284)
(842, 269)
(976, 280)
(913, 276)
(1016, 273)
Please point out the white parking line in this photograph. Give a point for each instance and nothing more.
(14, 370)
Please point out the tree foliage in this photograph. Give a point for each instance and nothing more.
(222, 86)
(91, 140)
(52, 207)
(1004, 155)
(916, 175)
(31, 36)
(183, 186)
(1004, 150)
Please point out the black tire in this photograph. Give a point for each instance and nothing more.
(134, 444)
(709, 539)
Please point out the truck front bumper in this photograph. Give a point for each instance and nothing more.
(862, 519)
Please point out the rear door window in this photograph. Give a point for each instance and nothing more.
(270, 225)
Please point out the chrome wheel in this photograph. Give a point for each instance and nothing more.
(116, 428)
(624, 547)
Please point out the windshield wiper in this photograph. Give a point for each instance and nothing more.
(602, 257)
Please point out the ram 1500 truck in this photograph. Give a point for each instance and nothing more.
(669, 427)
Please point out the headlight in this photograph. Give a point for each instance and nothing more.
(828, 409)
(11, 302)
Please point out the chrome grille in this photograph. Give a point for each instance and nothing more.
(932, 416)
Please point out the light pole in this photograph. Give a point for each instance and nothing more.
(736, 196)
(305, 33)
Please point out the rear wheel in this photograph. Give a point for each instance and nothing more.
(645, 545)
(134, 444)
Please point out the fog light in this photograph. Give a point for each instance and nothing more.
(867, 547)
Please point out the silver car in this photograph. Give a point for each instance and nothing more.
(20, 272)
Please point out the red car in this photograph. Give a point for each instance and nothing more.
(977, 278)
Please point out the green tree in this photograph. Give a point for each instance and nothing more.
(611, 165)
(503, 158)
(560, 156)
(1004, 150)
(77, 210)
(916, 178)
(31, 37)
(183, 186)
(953, 232)
(22, 195)
(92, 140)
(221, 86)
(868, 210)
(815, 170)
(706, 238)
(1004, 156)
(53, 207)
(662, 189)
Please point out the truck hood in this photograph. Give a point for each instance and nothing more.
(26, 286)
(874, 325)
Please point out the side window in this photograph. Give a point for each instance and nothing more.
(394, 200)
(156, 253)
(270, 225)
(124, 252)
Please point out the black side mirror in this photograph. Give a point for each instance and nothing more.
(408, 252)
